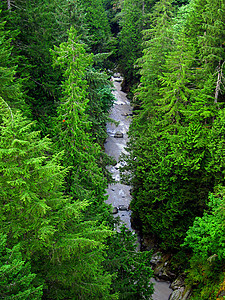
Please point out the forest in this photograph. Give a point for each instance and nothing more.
(58, 237)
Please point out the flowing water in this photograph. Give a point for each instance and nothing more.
(119, 194)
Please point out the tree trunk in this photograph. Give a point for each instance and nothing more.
(9, 4)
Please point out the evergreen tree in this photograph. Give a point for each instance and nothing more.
(98, 25)
(16, 279)
(53, 230)
(131, 267)
(171, 157)
(41, 25)
(206, 239)
(157, 43)
(10, 86)
(131, 24)
(73, 125)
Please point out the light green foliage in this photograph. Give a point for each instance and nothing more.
(53, 231)
(30, 181)
(206, 237)
(157, 43)
(131, 267)
(207, 241)
(16, 279)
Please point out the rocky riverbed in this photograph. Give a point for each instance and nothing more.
(119, 194)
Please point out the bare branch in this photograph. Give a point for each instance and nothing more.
(219, 81)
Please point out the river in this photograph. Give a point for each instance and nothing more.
(119, 194)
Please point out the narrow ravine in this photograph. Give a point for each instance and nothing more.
(119, 194)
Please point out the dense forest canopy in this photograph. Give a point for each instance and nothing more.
(57, 233)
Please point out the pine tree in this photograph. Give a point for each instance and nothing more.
(157, 43)
(170, 146)
(16, 279)
(131, 24)
(52, 229)
(98, 25)
(10, 86)
(131, 267)
(73, 125)
(40, 25)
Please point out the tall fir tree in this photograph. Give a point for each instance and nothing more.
(52, 229)
(16, 279)
(72, 125)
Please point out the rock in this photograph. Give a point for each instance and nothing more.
(118, 134)
(127, 115)
(122, 207)
(156, 258)
(177, 283)
(162, 274)
(182, 293)
(115, 210)
(116, 75)
(161, 267)
(177, 294)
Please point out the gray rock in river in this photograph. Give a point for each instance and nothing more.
(122, 207)
(118, 134)
(115, 210)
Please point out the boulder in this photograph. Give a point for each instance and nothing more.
(156, 258)
(177, 283)
(118, 134)
(116, 75)
(161, 267)
(183, 293)
(122, 207)
(177, 294)
(115, 210)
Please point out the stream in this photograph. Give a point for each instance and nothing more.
(119, 194)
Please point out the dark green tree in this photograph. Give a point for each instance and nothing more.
(171, 160)
(131, 23)
(131, 267)
(98, 26)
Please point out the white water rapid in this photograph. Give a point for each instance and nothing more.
(119, 194)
